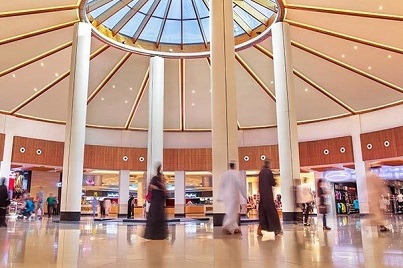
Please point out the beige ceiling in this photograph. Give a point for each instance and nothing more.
(346, 54)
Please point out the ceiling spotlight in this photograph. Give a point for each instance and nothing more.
(380, 7)
(170, 50)
(271, 82)
(343, 56)
(42, 64)
(56, 74)
(113, 86)
(355, 47)
(125, 101)
(369, 67)
(306, 90)
(131, 88)
(389, 56)
(102, 99)
(193, 91)
(35, 89)
(13, 75)
(193, 104)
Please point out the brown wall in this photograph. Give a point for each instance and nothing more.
(2, 137)
(377, 139)
(52, 151)
(108, 157)
(188, 159)
(255, 153)
(311, 153)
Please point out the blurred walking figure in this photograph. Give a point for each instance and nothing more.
(230, 190)
(305, 198)
(107, 206)
(156, 228)
(4, 202)
(40, 199)
(268, 215)
(51, 202)
(130, 206)
(323, 192)
(94, 204)
(376, 188)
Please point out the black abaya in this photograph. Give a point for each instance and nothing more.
(156, 228)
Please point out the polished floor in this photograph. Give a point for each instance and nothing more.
(351, 243)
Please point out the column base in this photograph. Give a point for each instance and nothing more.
(124, 215)
(218, 218)
(179, 215)
(292, 217)
(70, 215)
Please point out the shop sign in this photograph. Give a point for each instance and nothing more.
(340, 175)
(190, 195)
(114, 195)
(389, 173)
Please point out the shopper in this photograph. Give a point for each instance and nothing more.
(51, 202)
(323, 192)
(130, 207)
(107, 206)
(94, 204)
(230, 190)
(40, 199)
(376, 188)
(305, 198)
(156, 228)
(4, 202)
(268, 215)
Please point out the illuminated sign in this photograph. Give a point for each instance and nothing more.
(389, 173)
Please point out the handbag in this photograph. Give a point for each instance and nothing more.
(322, 209)
(149, 196)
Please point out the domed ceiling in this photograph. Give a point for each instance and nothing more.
(346, 57)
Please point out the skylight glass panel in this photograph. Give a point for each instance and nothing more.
(202, 8)
(102, 9)
(206, 28)
(150, 32)
(133, 3)
(172, 32)
(238, 29)
(248, 18)
(192, 34)
(146, 7)
(130, 28)
(175, 10)
(160, 11)
(266, 12)
(188, 10)
(112, 21)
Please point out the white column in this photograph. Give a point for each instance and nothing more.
(223, 98)
(360, 167)
(124, 177)
(180, 193)
(5, 164)
(286, 117)
(155, 116)
(75, 124)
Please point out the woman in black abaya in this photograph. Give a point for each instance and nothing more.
(156, 228)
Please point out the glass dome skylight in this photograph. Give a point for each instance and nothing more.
(174, 27)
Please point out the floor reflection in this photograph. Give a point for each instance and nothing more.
(352, 242)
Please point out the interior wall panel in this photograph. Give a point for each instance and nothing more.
(37, 152)
(251, 158)
(325, 152)
(380, 144)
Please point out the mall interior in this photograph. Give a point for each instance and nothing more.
(94, 93)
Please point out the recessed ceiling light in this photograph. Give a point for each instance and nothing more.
(102, 98)
(125, 101)
(193, 91)
(35, 89)
(56, 74)
(355, 47)
(131, 88)
(306, 89)
(271, 82)
(13, 75)
(343, 56)
(113, 86)
(380, 7)
(369, 67)
(210, 90)
(193, 104)
(389, 56)
(170, 50)
(42, 64)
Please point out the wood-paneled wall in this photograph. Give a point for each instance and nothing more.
(37, 152)
(115, 158)
(324, 152)
(197, 159)
(251, 158)
(2, 137)
(382, 144)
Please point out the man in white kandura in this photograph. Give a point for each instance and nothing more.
(230, 190)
